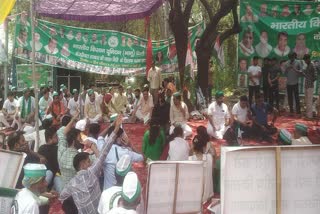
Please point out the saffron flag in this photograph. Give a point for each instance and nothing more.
(5, 8)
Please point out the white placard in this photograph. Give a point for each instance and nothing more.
(248, 182)
(300, 181)
(10, 167)
(169, 178)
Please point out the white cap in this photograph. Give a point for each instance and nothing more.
(123, 165)
(131, 188)
(81, 125)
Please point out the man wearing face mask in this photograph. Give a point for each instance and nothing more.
(263, 48)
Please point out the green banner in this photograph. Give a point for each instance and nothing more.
(24, 75)
(276, 28)
(91, 50)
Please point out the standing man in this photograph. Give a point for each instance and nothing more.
(254, 72)
(265, 73)
(273, 81)
(155, 81)
(292, 70)
(219, 117)
(310, 77)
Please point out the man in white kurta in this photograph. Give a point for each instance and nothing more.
(92, 110)
(179, 115)
(143, 110)
(120, 101)
(9, 109)
(74, 103)
(219, 117)
(27, 200)
(155, 81)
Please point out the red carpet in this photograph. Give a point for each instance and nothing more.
(136, 131)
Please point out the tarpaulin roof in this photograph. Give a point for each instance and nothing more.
(97, 10)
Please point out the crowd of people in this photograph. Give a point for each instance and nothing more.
(85, 156)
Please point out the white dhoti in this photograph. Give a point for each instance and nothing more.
(187, 131)
(142, 116)
(218, 132)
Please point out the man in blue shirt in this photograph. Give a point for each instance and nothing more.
(260, 111)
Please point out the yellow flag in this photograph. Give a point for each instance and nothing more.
(5, 8)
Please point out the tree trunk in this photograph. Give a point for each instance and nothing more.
(203, 57)
(180, 31)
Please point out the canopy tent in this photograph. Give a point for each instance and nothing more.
(97, 10)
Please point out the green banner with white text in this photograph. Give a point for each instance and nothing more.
(276, 28)
(98, 51)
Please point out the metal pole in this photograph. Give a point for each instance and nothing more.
(5, 69)
(35, 82)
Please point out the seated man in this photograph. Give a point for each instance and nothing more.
(285, 137)
(92, 110)
(84, 187)
(17, 143)
(110, 197)
(300, 136)
(56, 109)
(27, 200)
(75, 104)
(260, 111)
(44, 103)
(9, 109)
(178, 148)
(179, 115)
(120, 101)
(120, 147)
(240, 115)
(143, 110)
(27, 107)
(130, 196)
(219, 117)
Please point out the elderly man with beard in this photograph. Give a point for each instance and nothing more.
(92, 110)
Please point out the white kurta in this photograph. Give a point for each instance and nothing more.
(26, 203)
(219, 114)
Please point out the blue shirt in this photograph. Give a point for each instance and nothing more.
(261, 113)
(111, 160)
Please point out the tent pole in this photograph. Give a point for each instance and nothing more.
(34, 80)
(5, 69)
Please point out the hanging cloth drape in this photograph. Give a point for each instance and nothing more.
(5, 8)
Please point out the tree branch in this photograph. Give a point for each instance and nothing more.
(206, 6)
(187, 10)
(235, 28)
(210, 34)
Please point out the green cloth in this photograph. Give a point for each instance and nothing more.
(153, 151)
(25, 112)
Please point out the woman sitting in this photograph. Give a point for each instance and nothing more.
(153, 141)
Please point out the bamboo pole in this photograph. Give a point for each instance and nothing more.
(34, 80)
